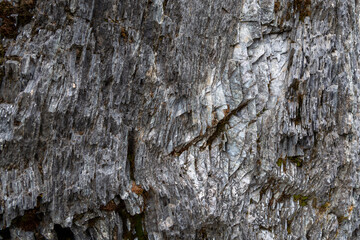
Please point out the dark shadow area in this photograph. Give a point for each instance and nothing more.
(63, 233)
(30, 221)
(5, 234)
(137, 230)
(131, 154)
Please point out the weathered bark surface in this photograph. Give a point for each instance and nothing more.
(159, 119)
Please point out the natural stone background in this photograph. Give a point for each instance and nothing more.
(164, 119)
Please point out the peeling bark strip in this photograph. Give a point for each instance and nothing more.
(211, 133)
(100, 101)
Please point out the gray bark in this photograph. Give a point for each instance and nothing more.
(159, 119)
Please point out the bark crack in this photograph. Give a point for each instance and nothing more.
(211, 133)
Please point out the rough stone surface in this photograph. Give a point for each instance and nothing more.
(159, 119)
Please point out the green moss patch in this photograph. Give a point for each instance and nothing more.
(297, 160)
(280, 162)
(302, 199)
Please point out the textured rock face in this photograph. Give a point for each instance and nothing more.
(158, 119)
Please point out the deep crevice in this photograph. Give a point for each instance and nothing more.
(63, 233)
(211, 133)
(30, 221)
(137, 230)
(5, 234)
(131, 153)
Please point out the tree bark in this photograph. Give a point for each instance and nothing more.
(158, 119)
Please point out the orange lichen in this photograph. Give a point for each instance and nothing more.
(226, 111)
(351, 208)
(109, 207)
(137, 189)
